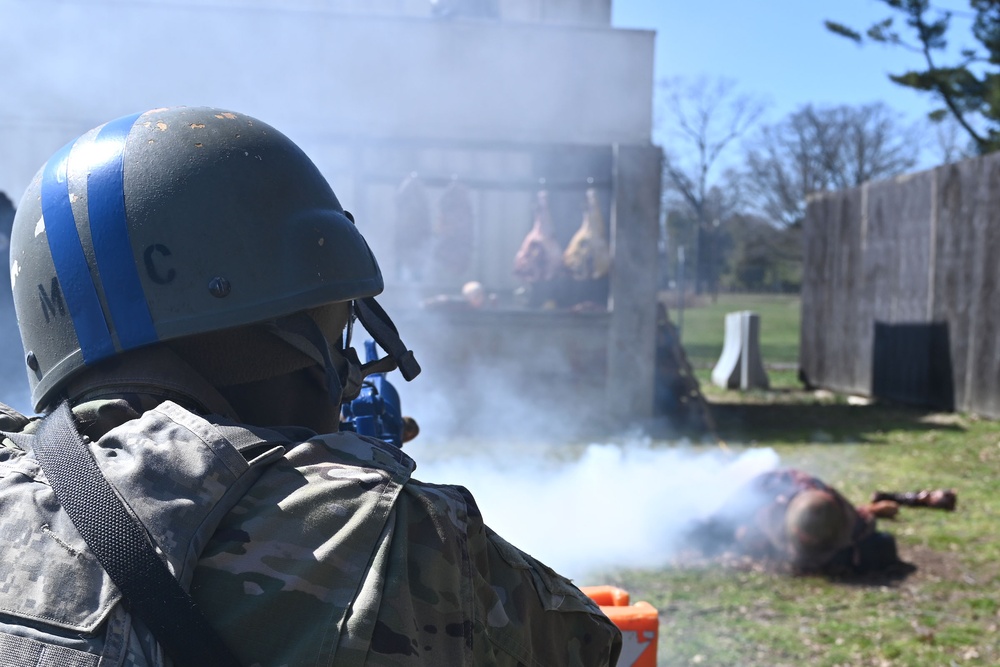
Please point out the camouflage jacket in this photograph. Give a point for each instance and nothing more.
(315, 552)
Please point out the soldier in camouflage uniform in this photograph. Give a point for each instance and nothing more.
(183, 278)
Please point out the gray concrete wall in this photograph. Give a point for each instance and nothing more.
(634, 235)
(320, 77)
(596, 12)
(919, 249)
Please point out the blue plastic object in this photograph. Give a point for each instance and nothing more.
(376, 411)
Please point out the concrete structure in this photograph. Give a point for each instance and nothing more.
(332, 74)
(740, 365)
(500, 95)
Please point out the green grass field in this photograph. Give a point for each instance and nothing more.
(704, 327)
(944, 611)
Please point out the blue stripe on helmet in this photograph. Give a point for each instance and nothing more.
(123, 291)
(71, 263)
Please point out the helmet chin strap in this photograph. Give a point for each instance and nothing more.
(377, 322)
(345, 374)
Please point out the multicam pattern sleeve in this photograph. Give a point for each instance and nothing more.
(456, 593)
(336, 557)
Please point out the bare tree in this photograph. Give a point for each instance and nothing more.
(951, 141)
(703, 119)
(831, 148)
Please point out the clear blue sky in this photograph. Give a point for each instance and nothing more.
(779, 49)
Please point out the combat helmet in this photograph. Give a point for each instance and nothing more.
(176, 222)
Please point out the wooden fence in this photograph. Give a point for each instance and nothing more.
(899, 293)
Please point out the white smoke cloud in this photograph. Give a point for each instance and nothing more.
(582, 510)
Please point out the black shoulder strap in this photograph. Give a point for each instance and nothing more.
(122, 546)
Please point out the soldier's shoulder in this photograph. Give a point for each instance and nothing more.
(530, 612)
(11, 420)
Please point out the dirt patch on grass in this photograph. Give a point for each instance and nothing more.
(918, 565)
(943, 419)
(932, 565)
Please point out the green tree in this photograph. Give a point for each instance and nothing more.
(969, 85)
(762, 257)
(706, 244)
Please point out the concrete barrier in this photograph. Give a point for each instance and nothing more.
(740, 365)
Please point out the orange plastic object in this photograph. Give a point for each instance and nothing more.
(639, 623)
(607, 596)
